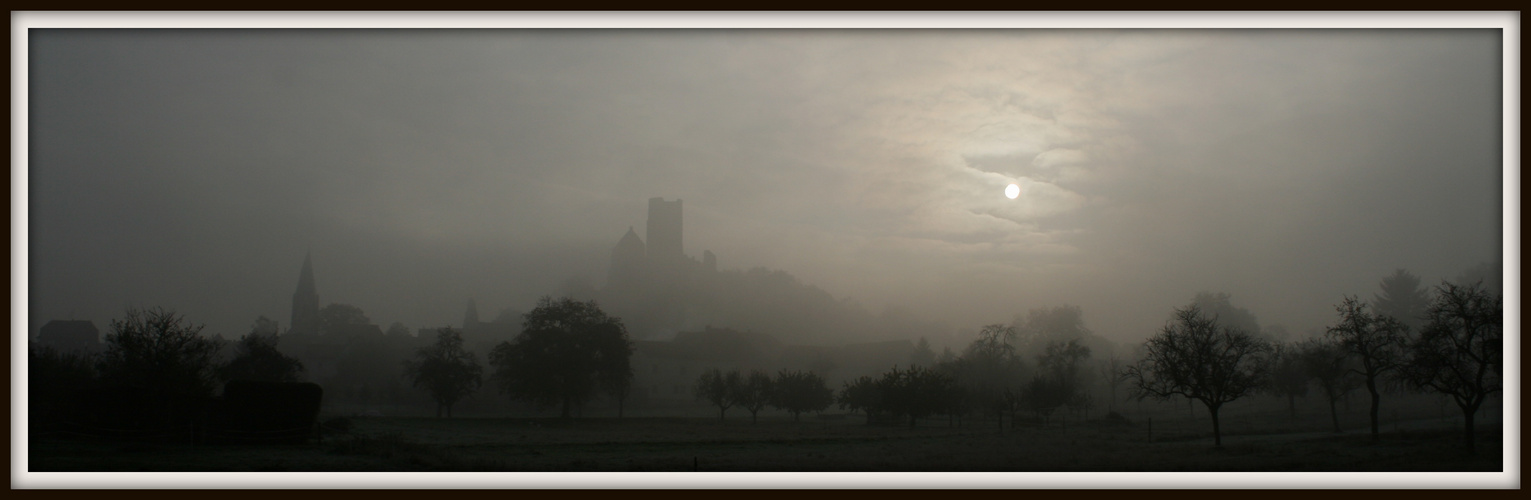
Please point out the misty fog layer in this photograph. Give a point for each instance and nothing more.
(195, 169)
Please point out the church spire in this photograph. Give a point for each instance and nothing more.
(305, 301)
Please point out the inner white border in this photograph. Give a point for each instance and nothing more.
(1509, 22)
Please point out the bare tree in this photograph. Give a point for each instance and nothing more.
(1195, 357)
(990, 373)
(1460, 353)
(718, 388)
(1376, 341)
(754, 392)
(1112, 371)
(160, 352)
(1289, 376)
(1326, 361)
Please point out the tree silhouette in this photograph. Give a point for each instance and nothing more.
(1376, 341)
(754, 392)
(448, 370)
(336, 318)
(718, 388)
(257, 358)
(1220, 305)
(1327, 362)
(923, 355)
(1289, 376)
(1402, 298)
(798, 391)
(989, 371)
(567, 351)
(157, 351)
(861, 395)
(1195, 357)
(1112, 370)
(1460, 353)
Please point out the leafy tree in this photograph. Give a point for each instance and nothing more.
(1220, 305)
(916, 392)
(157, 350)
(1055, 324)
(1402, 298)
(265, 326)
(754, 392)
(1197, 358)
(1289, 376)
(1376, 341)
(335, 318)
(397, 330)
(257, 358)
(567, 351)
(448, 370)
(1327, 362)
(798, 391)
(718, 388)
(1460, 353)
(861, 395)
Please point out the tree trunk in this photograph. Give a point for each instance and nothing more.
(1468, 412)
(1371, 386)
(721, 413)
(1217, 432)
(449, 410)
(438, 410)
(869, 417)
(1334, 414)
(622, 401)
(911, 420)
(1291, 405)
(753, 416)
(565, 412)
(795, 416)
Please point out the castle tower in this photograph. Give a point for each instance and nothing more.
(627, 263)
(305, 301)
(470, 317)
(664, 234)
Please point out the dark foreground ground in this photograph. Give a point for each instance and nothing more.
(780, 444)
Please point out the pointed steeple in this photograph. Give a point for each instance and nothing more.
(470, 318)
(306, 276)
(305, 301)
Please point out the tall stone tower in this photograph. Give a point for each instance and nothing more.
(664, 234)
(305, 301)
(470, 317)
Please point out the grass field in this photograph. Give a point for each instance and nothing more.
(382, 444)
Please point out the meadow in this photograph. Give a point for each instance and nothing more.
(1262, 441)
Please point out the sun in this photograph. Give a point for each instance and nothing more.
(1012, 191)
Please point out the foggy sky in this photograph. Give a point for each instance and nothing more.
(193, 169)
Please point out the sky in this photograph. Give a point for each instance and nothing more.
(194, 169)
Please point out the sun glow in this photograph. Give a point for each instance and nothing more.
(1012, 191)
